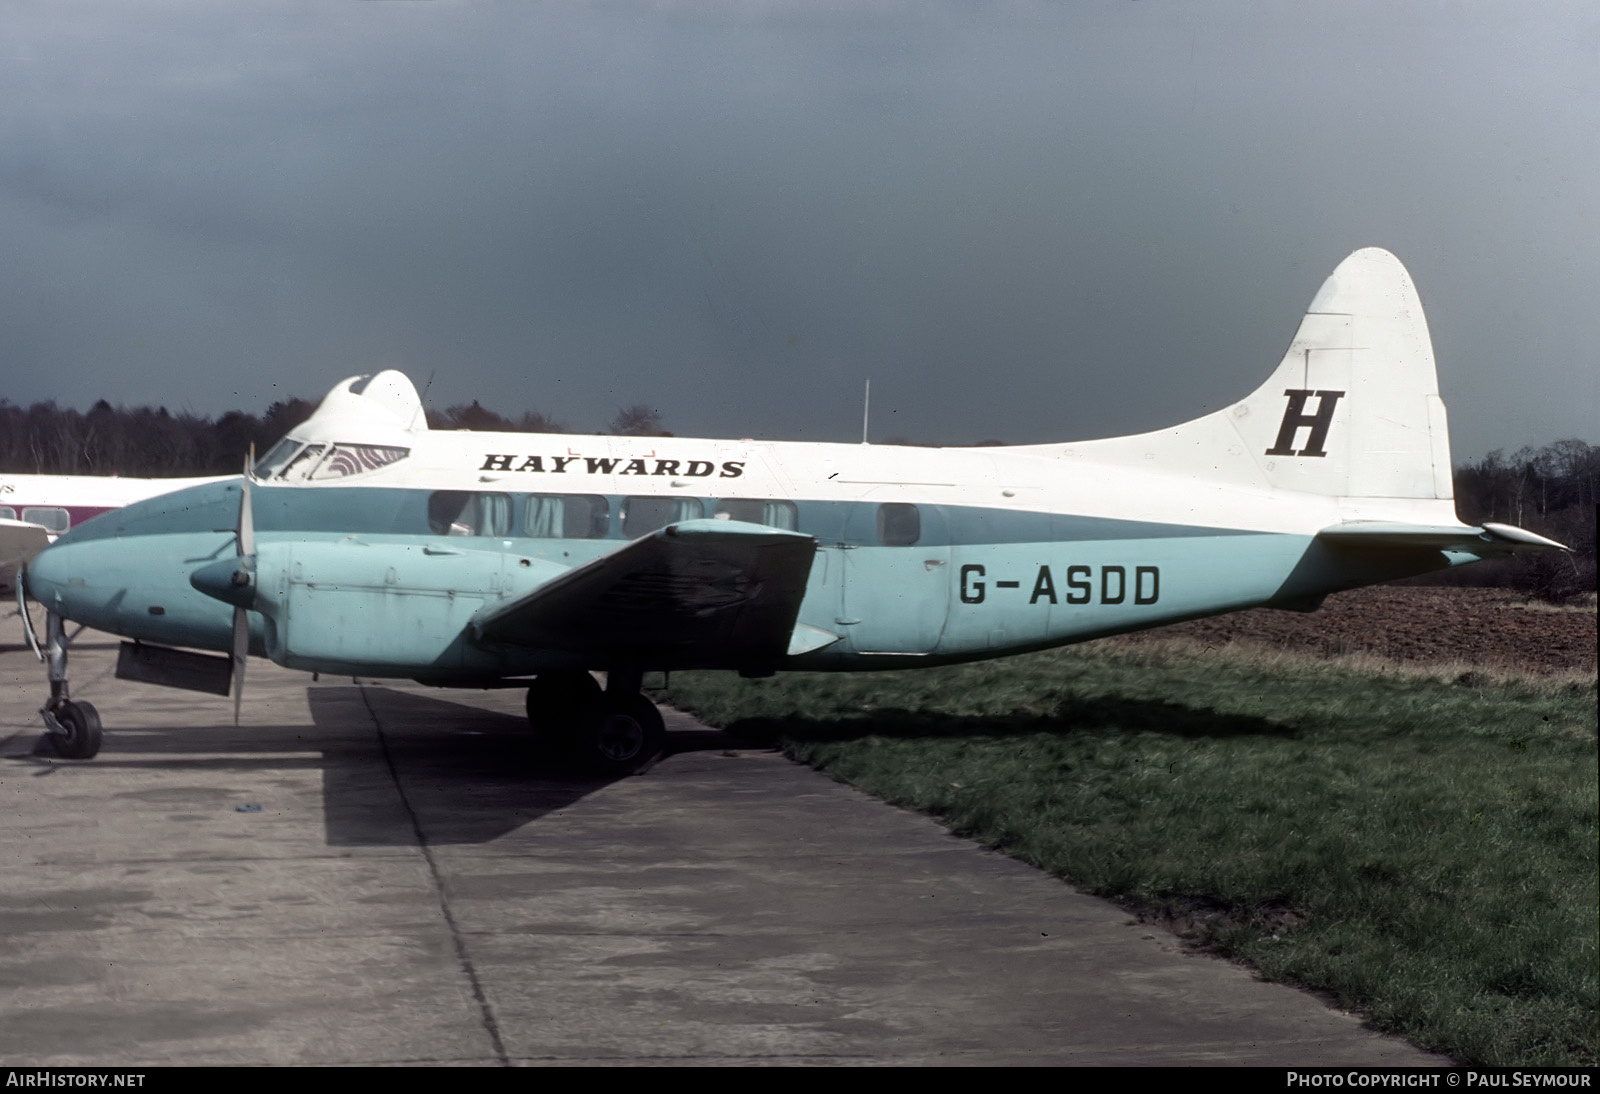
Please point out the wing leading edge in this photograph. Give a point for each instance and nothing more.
(698, 593)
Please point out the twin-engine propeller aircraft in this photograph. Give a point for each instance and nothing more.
(365, 544)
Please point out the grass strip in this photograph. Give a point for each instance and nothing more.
(1420, 843)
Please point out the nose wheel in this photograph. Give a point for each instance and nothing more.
(76, 732)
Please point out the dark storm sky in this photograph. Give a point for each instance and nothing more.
(1022, 221)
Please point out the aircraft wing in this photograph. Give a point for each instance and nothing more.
(19, 541)
(1491, 539)
(700, 591)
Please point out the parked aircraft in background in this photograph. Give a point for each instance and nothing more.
(35, 509)
(365, 544)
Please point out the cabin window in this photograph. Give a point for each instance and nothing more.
(643, 515)
(460, 513)
(899, 524)
(353, 459)
(567, 516)
(774, 514)
(7, 513)
(54, 520)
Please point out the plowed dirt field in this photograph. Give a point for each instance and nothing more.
(1490, 627)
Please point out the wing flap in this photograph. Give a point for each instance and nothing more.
(698, 593)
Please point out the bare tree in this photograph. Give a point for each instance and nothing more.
(637, 420)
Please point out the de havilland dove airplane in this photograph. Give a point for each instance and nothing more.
(366, 544)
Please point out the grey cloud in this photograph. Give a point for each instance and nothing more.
(1029, 222)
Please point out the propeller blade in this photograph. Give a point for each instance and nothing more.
(241, 651)
(246, 538)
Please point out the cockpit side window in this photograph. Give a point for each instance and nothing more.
(303, 463)
(276, 457)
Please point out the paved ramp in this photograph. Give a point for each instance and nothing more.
(420, 886)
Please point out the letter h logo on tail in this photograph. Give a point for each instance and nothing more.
(1295, 416)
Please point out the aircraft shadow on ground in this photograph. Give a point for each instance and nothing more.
(465, 775)
(395, 764)
(1100, 715)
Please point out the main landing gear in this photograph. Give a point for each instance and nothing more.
(74, 727)
(613, 732)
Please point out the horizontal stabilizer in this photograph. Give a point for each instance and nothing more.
(697, 592)
(1491, 539)
(1510, 533)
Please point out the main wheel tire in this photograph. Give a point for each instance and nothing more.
(622, 735)
(80, 735)
(559, 703)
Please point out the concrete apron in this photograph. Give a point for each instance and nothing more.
(420, 885)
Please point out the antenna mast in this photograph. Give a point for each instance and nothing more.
(866, 407)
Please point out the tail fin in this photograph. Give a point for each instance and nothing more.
(1354, 410)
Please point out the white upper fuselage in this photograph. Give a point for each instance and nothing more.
(1090, 479)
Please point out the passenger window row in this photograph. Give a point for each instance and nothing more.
(588, 516)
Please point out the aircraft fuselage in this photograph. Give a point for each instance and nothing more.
(987, 553)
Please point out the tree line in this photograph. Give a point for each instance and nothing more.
(146, 442)
(1551, 490)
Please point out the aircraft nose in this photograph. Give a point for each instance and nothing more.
(86, 582)
(55, 575)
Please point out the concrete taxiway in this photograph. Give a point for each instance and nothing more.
(418, 886)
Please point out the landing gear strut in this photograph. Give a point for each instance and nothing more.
(74, 727)
(614, 732)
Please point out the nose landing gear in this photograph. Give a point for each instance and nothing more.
(74, 727)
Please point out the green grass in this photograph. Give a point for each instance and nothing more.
(1421, 844)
